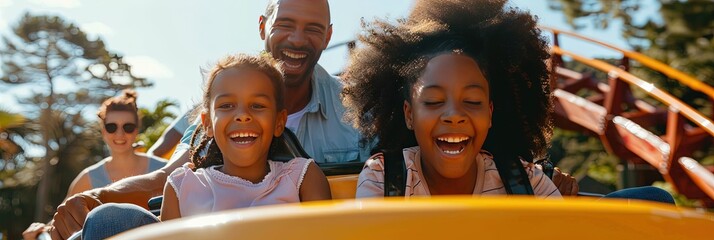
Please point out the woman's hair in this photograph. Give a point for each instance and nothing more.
(125, 102)
(263, 63)
(506, 44)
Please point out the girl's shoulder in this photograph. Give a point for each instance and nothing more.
(186, 170)
(293, 164)
(186, 167)
(295, 169)
(371, 179)
(488, 161)
(375, 162)
(98, 165)
(370, 182)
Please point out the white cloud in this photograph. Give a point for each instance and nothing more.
(97, 29)
(5, 3)
(148, 67)
(3, 24)
(57, 3)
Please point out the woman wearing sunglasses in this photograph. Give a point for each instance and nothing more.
(119, 119)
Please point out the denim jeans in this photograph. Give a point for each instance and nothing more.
(113, 218)
(647, 193)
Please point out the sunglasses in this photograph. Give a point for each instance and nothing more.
(112, 127)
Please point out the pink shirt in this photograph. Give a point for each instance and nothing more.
(488, 181)
(209, 190)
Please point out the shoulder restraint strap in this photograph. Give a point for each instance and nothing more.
(395, 173)
(514, 176)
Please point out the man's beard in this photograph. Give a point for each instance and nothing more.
(294, 80)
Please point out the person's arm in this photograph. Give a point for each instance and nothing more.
(170, 206)
(80, 184)
(543, 186)
(34, 230)
(166, 142)
(170, 137)
(139, 189)
(567, 184)
(314, 185)
(70, 215)
(371, 179)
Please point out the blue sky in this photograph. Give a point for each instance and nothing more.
(168, 41)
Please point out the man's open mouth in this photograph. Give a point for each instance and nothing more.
(293, 60)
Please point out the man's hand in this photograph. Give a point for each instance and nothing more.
(137, 190)
(567, 185)
(34, 230)
(70, 215)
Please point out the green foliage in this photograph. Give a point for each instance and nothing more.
(10, 120)
(708, 160)
(153, 123)
(679, 199)
(15, 208)
(9, 148)
(685, 41)
(14, 130)
(78, 144)
(160, 113)
(600, 12)
(581, 154)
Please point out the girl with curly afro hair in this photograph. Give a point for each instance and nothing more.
(462, 88)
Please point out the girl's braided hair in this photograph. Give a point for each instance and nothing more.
(263, 63)
(504, 41)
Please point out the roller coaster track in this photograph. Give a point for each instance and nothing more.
(621, 120)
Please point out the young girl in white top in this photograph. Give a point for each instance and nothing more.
(462, 96)
(242, 112)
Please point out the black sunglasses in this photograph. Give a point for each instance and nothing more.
(112, 127)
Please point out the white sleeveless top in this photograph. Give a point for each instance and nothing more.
(209, 190)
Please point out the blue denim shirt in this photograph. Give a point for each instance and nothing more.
(322, 131)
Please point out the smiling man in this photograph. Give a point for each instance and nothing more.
(295, 32)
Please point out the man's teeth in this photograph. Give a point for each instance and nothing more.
(243, 134)
(453, 139)
(291, 65)
(294, 55)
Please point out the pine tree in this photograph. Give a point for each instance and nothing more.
(46, 54)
